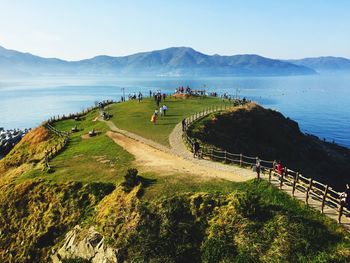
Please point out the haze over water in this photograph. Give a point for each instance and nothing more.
(319, 103)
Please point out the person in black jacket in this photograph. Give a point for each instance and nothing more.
(196, 148)
(347, 199)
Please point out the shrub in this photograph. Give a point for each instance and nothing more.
(130, 180)
(250, 204)
(75, 260)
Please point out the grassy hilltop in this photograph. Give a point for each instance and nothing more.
(255, 131)
(152, 217)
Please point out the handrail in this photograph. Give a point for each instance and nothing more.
(297, 180)
(53, 151)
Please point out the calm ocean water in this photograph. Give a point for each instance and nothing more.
(320, 103)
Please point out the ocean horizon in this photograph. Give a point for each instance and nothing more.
(318, 102)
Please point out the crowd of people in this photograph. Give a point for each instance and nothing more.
(187, 90)
(158, 96)
(161, 110)
(133, 96)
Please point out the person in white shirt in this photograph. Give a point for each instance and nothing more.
(165, 108)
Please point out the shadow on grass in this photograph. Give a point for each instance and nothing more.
(172, 115)
(166, 124)
(146, 182)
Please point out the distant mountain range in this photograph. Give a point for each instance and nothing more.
(323, 63)
(175, 61)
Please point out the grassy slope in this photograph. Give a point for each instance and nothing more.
(204, 225)
(135, 117)
(171, 218)
(34, 215)
(255, 131)
(87, 159)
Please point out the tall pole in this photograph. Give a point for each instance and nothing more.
(123, 89)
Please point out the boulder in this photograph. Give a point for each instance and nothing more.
(85, 244)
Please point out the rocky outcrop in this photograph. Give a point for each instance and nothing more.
(85, 244)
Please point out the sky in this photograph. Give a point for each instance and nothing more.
(79, 29)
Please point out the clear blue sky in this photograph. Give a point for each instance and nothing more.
(76, 29)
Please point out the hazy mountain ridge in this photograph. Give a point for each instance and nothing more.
(328, 63)
(170, 61)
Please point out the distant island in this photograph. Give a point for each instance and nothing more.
(174, 61)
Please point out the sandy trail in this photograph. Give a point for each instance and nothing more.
(151, 156)
(148, 158)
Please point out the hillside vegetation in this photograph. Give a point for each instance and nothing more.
(255, 131)
(149, 217)
(254, 223)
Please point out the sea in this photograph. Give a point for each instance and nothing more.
(319, 103)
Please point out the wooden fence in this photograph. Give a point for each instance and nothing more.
(53, 119)
(53, 151)
(64, 137)
(311, 188)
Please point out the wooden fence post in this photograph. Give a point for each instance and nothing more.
(296, 177)
(324, 198)
(241, 159)
(270, 173)
(308, 192)
(225, 156)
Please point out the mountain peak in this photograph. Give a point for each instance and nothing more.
(171, 61)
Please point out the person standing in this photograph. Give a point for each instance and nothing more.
(196, 148)
(161, 111)
(347, 193)
(258, 167)
(154, 119)
(183, 125)
(165, 108)
(279, 168)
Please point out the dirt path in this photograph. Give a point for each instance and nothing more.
(151, 156)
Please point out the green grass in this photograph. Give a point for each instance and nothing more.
(157, 186)
(99, 158)
(87, 159)
(136, 117)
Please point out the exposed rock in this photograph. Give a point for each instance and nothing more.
(85, 244)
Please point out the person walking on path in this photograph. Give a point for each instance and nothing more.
(196, 148)
(279, 168)
(183, 125)
(140, 96)
(257, 167)
(161, 111)
(343, 200)
(154, 119)
(347, 199)
(165, 108)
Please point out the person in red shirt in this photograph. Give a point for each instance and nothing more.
(279, 168)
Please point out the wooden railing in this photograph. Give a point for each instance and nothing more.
(53, 119)
(312, 188)
(50, 153)
(64, 137)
